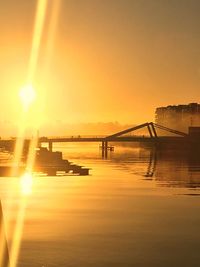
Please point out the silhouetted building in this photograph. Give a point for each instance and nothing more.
(179, 117)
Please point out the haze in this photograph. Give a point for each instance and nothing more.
(112, 60)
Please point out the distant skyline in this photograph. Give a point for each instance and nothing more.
(112, 60)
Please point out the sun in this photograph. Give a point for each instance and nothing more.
(27, 95)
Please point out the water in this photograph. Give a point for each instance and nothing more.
(134, 209)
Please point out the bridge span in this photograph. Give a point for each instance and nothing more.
(125, 136)
(172, 137)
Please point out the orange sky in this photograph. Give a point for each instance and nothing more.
(113, 60)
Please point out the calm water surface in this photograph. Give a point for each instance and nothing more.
(135, 209)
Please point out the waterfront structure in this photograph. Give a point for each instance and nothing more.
(171, 138)
(179, 117)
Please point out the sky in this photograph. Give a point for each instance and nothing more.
(110, 60)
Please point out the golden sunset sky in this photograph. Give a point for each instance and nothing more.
(111, 60)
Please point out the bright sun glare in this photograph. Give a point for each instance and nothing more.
(27, 95)
(26, 183)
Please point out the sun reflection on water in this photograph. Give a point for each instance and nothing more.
(26, 183)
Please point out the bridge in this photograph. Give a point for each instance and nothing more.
(124, 136)
(127, 135)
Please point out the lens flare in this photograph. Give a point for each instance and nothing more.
(37, 36)
(27, 95)
(32, 113)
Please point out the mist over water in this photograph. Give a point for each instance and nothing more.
(137, 208)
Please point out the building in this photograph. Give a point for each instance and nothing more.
(179, 117)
